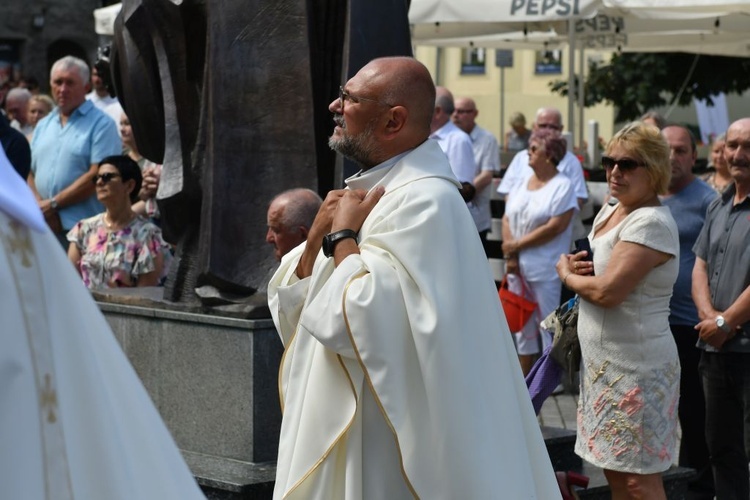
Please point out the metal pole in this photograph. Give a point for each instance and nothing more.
(571, 78)
(438, 57)
(502, 107)
(581, 99)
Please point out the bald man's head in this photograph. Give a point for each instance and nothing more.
(465, 114)
(289, 218)
(385, 110)
(444, 107)
(408, 83)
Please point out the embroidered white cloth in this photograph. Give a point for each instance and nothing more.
(76, 421)
(399, 377)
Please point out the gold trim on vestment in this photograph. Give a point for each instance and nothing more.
(281, 368)
(372, 386)
(325, 454)
(335, 441)
(46, 393)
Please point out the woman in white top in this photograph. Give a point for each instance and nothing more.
(630, 373)
(536, 230)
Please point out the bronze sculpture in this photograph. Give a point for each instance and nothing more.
(232, 96)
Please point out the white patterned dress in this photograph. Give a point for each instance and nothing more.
(630, 374)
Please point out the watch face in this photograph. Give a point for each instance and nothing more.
(327, 250)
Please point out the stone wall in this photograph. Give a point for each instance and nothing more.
(66, 24)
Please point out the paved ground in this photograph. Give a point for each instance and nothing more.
(559, 411)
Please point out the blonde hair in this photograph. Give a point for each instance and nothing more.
(646, 144)
(43, 99)
(517, 119)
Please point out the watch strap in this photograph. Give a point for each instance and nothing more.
(330, 240)
(722, 324)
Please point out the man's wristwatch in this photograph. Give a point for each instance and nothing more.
(723, 325)
(53, 204)
(330, 240)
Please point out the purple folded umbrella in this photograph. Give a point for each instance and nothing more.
(543, 378)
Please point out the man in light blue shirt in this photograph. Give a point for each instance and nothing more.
(66, 148)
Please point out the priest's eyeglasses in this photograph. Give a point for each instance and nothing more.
(346, 96)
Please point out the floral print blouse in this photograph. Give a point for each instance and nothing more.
(111, 259)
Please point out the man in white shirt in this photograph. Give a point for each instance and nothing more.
(487, 159)
(519, 170)
(100, 97)
(454, 142)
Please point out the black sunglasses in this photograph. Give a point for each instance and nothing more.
(105, 178)
(624, 164)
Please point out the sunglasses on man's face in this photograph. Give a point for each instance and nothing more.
(105, 178)
(624, 164)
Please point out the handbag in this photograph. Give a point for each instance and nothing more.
(518, 309)
(566, 348)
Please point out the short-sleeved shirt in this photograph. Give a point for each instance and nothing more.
(487, 157)
(518, 142)
(724, 244)
(519, 171)
(527, 210)
(111, 259)
(688, 209)
(60, 155)
(456, 144)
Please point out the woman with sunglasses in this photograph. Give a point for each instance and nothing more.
(536, 230)
(630, 373)
(118, 248)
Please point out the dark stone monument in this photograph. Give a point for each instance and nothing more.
(231, 96)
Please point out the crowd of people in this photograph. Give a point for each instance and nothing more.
(96, 192)
(387, 308)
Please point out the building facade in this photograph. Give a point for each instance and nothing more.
(35, 33)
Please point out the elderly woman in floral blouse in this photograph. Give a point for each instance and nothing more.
(118, 248)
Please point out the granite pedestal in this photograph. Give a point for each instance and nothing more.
(214, 381)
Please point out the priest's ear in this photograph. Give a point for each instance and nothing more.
(397, 117)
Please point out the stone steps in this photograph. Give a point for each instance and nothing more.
(225, 479)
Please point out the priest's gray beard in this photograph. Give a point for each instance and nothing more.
(358, 148)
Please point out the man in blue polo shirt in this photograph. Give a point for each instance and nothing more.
(67, 146)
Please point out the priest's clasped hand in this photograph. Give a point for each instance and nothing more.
(320, 227)
(354, 207)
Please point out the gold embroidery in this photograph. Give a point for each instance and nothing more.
(20, 241)
(598, 373)
(48, 399)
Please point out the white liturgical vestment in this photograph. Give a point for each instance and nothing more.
(75, 420)
(399, 377)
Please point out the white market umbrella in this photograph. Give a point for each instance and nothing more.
(104, 19)
(680, 9)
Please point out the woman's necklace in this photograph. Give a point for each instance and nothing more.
(111, 225)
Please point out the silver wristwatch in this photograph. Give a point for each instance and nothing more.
(723, 325)
(53, 204)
